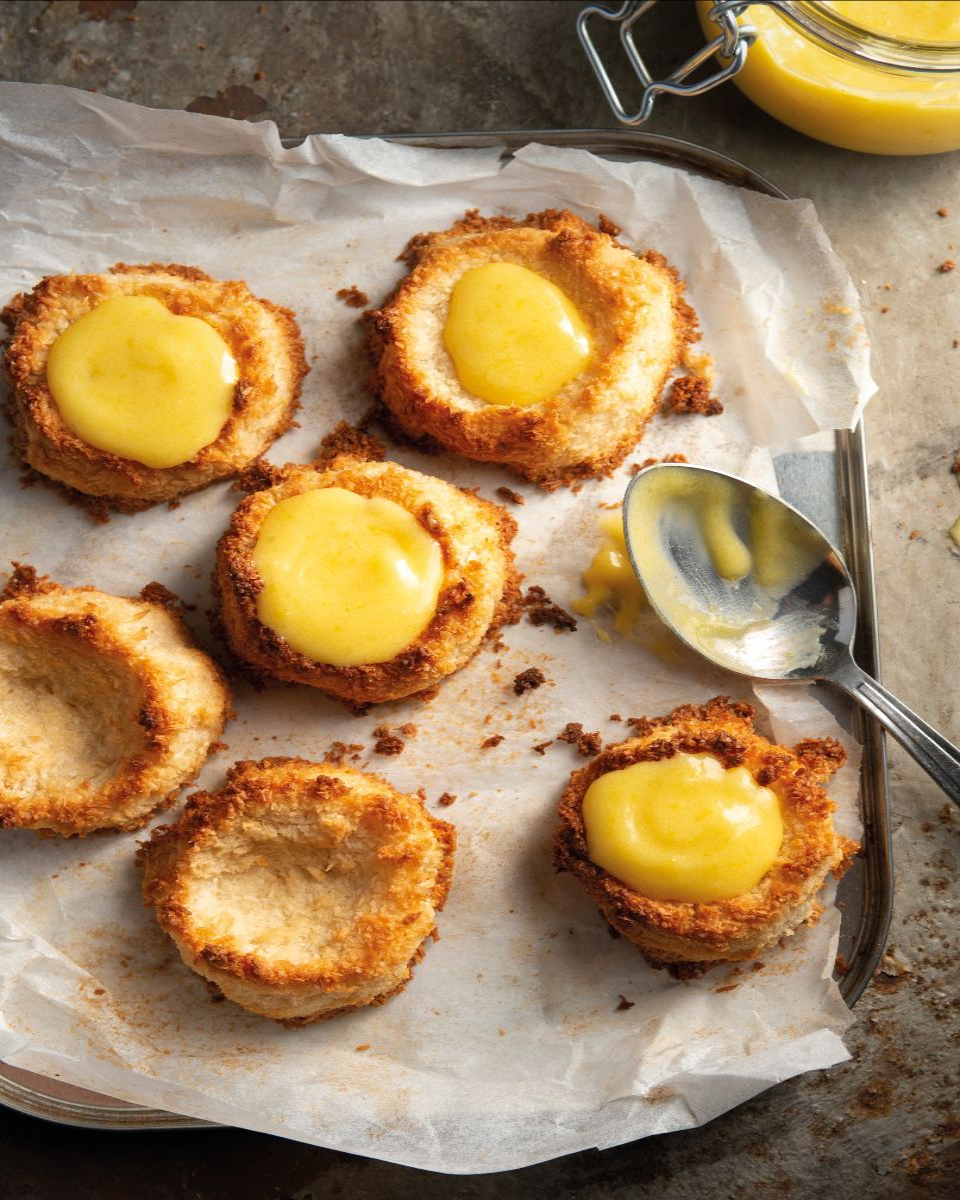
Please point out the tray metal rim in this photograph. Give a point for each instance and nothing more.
(852, 469)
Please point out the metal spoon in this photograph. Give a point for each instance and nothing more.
(748, 582)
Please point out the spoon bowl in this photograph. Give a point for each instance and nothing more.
(748, 582)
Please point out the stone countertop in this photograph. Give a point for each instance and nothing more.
(887, 1123)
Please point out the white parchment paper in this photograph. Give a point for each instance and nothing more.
(509, 1046)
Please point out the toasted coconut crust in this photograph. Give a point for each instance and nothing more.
(634, 307)
(301, 890)
(690, 936)
(263, 338)
(107, 708)
(479, 592)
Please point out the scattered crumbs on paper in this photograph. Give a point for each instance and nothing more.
(506, 493)
(353, 297)
(528, 680)
(541, 610)
(587, 744)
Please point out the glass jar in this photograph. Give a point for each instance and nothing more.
(879, 76)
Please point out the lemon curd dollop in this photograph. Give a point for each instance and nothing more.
(134, 379)
(347, 579)
(684, 828)
(515, 338)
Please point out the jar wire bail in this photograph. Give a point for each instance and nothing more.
(731, 44)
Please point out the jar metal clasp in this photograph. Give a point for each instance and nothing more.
(731, 44)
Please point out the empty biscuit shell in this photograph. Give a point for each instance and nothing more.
(478, 594)
(687, 938)
(262, 337)
(107, 707)
(633, 306)
(301, 890)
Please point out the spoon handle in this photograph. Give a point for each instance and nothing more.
(938, 757)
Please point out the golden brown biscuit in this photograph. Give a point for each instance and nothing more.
(107, 708)
(301, 890)
(633, 306)
(689, 937)
(263, 338)
(478, 594)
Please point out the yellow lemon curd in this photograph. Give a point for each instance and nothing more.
(347, 579)
(515, 338)
(848, 103)
(610, 579)
(133, 379)
(684, 828)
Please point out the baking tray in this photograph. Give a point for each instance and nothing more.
(828, 483)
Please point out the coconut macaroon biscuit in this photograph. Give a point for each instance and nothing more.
(301, 890)
(364, 578)
(542, 344)
(701, 841)
(107, 707)
(147, 382)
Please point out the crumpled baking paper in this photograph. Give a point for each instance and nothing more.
(512, 1044)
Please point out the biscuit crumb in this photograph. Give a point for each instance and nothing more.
(345, 438)
(614, 717)
(219, 747)
(541, 610)
(352, 296)
(387, 742)
(446, 799)
(541, 747)
(624, 1004)
(727, 987)
(587, 744)
(947, 265)
(340, 751)
(506, 493)
(529, 680)
(363, 1046)
(691, 394)
(636, 468)
(840, 965)
(914, 534)
(492, 741)
(884, 308)
(943, 212)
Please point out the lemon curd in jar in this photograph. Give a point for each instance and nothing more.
(347, 579)
(515, 337)
(840, 97)
(136, 380)
(684, 828)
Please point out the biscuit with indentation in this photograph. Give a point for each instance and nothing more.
(633, 306)
(300, 890)
(262, 337)
(107, 707)
(478, 592)
(688, 937)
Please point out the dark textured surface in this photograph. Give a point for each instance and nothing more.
(887, 1123)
